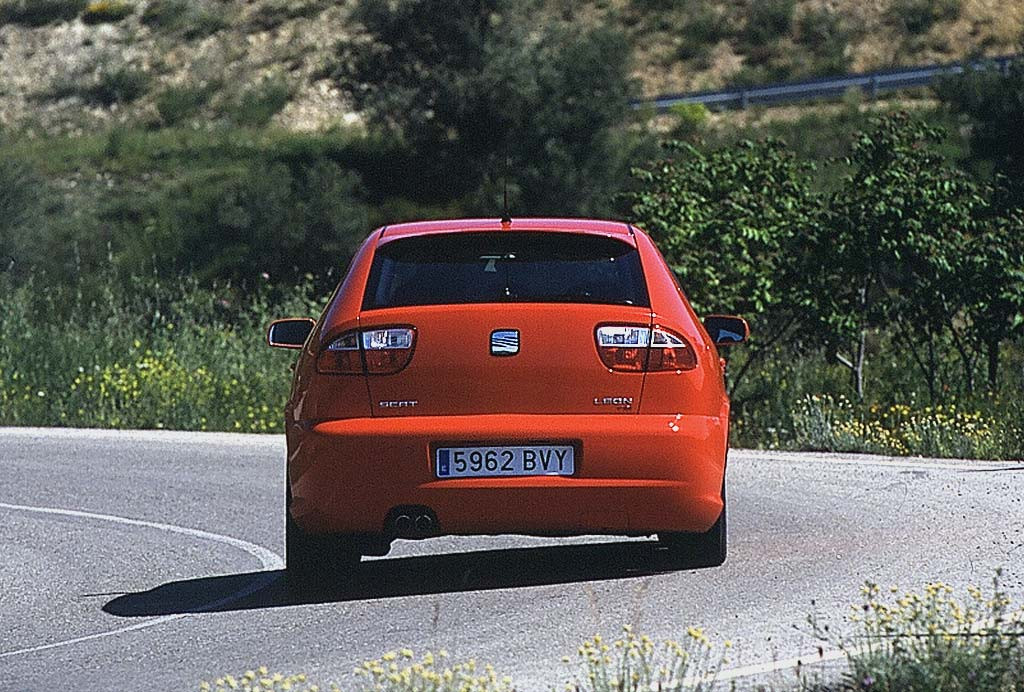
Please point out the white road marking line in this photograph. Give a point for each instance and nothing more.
(268, 559)
(777, 666)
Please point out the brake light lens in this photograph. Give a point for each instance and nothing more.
(625, 348)
(388, 350)
(372, 351)
(342, 356)
(670, 352)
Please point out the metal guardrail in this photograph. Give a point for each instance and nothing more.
(872, 83)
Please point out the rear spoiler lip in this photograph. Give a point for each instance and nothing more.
(611, 229)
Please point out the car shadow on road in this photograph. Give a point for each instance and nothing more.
(406, 576)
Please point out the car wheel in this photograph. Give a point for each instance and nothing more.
(707, 549)
(322, 558)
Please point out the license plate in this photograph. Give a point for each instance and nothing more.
(506, 460)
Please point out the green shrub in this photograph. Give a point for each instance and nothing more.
(241, 219)
(832, 423)
(178, 103)
(258, 104)
(705, 24)
(121, 84)
(701, 30)
(205, 21)
(190, 20)
(661, 6)
(223, 202)
(930, 641)
(825, 35)
(918, 16)
(763, 70)
(106, 11)
(39, 12)
(165, 14)
(768, 20)
(635, 662)
(690, 119)
(695, 51)
(271, 15)
(111, 84)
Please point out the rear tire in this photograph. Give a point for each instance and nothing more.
(315, 558)
(707, 549)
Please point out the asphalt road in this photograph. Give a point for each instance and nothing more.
(150, 560)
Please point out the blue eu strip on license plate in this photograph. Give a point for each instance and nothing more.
(505, 460)
(444, 465)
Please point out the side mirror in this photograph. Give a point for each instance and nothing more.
(290, 333)
(726, 330)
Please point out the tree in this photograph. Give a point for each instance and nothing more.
(732, 224)
(994, 286)
(467, 84)
(240, 221)
(993, 102)
(889, 255)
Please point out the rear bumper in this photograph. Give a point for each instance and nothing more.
(635, 474)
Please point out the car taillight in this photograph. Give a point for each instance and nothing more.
(371, 351)
(625, 348)
(342, 356)
(388, 350)
(670, 352)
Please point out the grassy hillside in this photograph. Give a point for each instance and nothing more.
(71, 66)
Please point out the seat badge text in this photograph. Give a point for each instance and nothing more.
(398, 404)
(622, 402)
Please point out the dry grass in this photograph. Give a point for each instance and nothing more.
(252, 37)
(989, 27)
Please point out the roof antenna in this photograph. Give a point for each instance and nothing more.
(506, 215)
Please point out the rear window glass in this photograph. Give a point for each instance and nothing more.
(505, 267)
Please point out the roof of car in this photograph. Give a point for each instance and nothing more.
(591, 226)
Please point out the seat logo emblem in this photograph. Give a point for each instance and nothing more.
(504, 342)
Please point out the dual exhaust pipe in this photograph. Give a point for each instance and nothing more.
(412, 522)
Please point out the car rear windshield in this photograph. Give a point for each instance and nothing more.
(505, 267)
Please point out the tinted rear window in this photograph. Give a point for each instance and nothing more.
(505, 267)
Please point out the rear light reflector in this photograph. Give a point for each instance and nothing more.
(342, 356)
(371, 351)
(388, 350)
(670, 352)
(625, 348)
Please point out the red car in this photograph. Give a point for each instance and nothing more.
(477, 376)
